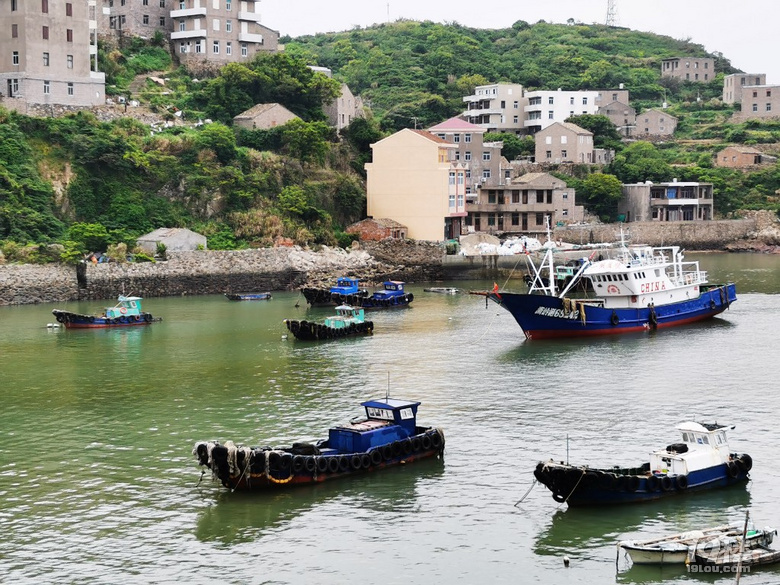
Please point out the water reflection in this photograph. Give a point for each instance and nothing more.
(243, 517)
(575, 530)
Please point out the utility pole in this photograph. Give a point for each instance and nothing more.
(612, 19)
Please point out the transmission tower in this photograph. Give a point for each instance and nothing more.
(612, 18)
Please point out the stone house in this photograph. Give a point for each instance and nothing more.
(564, 142)
(378, 229)
(414, 179)
(760, 101)
(695, 69)
(621, 115)
(739, 157)
(674, 201)
(175, 240)
(655, 123)
(734, 84)
(264, 117)
(344, 108)
(521, 206)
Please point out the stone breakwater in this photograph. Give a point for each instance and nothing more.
(215, 272)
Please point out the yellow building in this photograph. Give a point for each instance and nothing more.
(415, 181)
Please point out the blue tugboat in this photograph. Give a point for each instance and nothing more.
(345, 285)
(346, 322)
(264, 296)
(126, 313)
(391, 295)
(702, 461)
(387, 436)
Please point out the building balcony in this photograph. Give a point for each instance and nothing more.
(249, 16)
(188, 12)
(188, 34)
(250, 38)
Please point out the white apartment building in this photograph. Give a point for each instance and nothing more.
(547, 107)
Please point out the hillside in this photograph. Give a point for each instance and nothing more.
(87, 181)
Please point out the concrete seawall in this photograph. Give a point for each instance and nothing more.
(273, 269)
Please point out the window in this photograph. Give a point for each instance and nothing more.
(564, 154)
(486, 174)
(548, 139)
(146, 19)
(227, 5)
(467, 155)
(15, 58)
(70, 88)
(13, 5)
(13, 87)
(215, 24)
(45, 6)
(549, 154)
(228, 48)
(182, 47)
(565, 212)
(550, 115)
(215, 48)
(503, 104)
(452, 201)
(44, 33)
(515, 120)
(539, 218)
(515, 105)
(565, 195)
(229, 25)
(467, 138)
(755, 107)
(491, 196)
(551, 100)
(491, 219)
(146, 2)
(564, 139)
(198, 47)
(768, 107)
(486, 155)
(46, 88)
(162, 20)
(46, 59)
(69, 35)
(769, 93)
(162, 3)
(182, 25)
(68, 9)
(244, 48)
(69, 61)
(452, 177)
(571, 101)
(584, 101)
(614, 97)
(515, 218)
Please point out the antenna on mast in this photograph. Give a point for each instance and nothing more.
(612, 19)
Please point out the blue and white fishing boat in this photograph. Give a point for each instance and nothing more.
(263, 296)
(637, 288)
(701, 461)
(388, 436)
(345, 285)
(391, 296)
(126, 313)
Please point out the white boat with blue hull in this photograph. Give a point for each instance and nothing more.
(701, 461)
(639, 288)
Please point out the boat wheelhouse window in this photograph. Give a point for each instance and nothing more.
(687, 438)
(721, 438)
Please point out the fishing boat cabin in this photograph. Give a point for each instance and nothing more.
(702, 446)
(386, 421)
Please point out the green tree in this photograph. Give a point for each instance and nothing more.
(639, 162)
(605, 135)
(93, 237)
(220, 139)
(307, 141)
(601, 193)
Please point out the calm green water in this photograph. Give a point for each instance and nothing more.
(98, 484)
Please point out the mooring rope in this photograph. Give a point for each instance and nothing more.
(572, 490)
(525, 495)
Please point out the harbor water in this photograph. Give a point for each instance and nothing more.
(98, 483)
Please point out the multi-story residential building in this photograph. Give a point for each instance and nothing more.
(695, 69)
(621, 115)
(48, 53)
(200, 31)
(564, 142)
(606, 96)
(497, 107)
(675, 201)
(655, 123)
(548, 107)
(760, 101)
(521, 205)
(415, 180)
(482, 160)
(734, 84)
